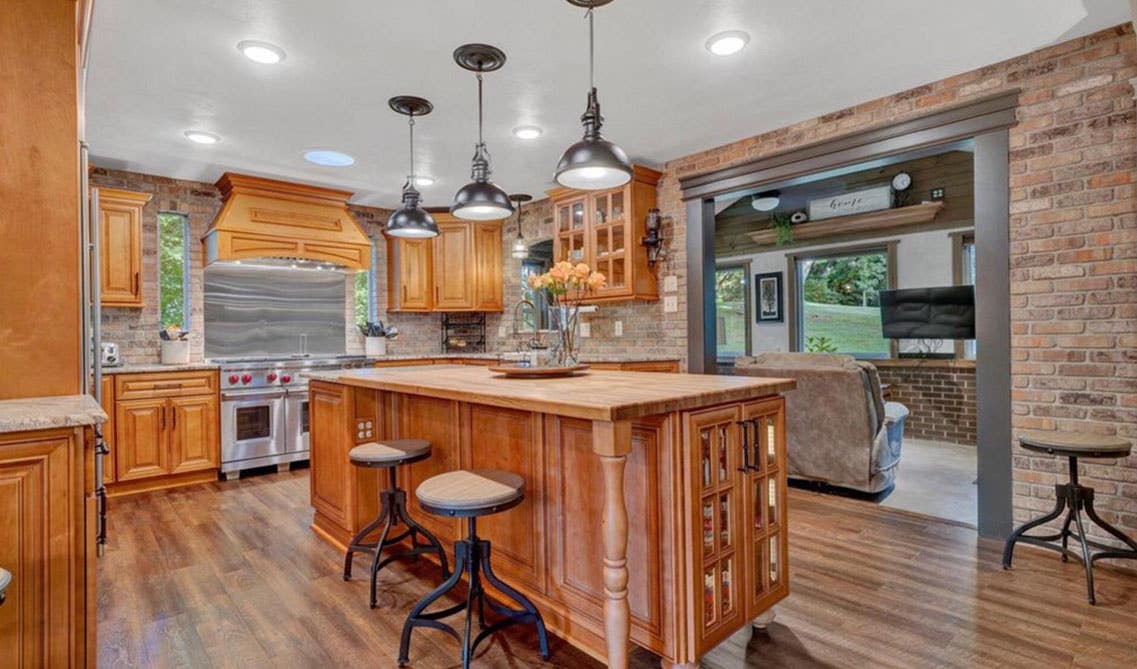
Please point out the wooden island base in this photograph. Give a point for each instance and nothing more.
(655, 503)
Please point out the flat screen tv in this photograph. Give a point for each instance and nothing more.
(928, 313)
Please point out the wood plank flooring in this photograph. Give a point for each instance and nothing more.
(229, 575)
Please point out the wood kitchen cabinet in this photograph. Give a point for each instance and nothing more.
(120, 246)
(47, 542)
(737, 477)
(604, 229)
(459, 270)
(108, 429)
(166, 430)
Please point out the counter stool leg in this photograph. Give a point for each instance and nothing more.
(417, 617)
(1086, 560)
(375, 561)
(1128, 541)
(431, 545)
(529, 613)
(1059, 507)
(357, 542)
(1066, 535)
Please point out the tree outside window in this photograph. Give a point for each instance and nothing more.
(173, 270)
(839, 303)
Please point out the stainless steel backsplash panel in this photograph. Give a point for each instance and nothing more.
(255, 311)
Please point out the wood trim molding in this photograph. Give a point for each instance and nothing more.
(955, 123)
(899, 219)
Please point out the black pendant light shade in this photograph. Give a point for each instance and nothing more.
(520, 249)
(481, 199)
(411, 220)
(593, 163)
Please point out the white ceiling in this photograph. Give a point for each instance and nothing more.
(160, 67)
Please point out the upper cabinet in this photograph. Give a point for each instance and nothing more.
(459, 270)
(120, 247)
(603, 229)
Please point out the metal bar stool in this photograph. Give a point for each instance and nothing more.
(1073, 497)
(469, 494)
(390, 455)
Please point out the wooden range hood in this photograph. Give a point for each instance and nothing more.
(265, 218)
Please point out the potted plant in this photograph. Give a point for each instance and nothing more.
(565, 287)
(375, 336)
(174, 345)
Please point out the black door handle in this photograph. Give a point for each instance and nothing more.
(745, 446)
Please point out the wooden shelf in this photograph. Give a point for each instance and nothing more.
(884, 220)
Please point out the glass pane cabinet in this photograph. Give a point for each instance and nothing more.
(604, 229)
(739, 539)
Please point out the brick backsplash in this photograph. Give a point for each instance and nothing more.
(941, 401)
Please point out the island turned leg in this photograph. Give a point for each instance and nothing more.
(612, 441)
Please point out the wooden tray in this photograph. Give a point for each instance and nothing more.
(526, 372)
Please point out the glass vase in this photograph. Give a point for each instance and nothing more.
(565, 321)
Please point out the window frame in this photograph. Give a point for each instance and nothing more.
(186, 266)
(959, 242)
(747, 298)
(372, 286)
(795, 297)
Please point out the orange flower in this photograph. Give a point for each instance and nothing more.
(581, 272)
(596, 280)
(561, 271)
(534, 280)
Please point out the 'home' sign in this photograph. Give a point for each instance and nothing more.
(870, 199)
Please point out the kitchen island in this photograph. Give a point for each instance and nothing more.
(696, 463)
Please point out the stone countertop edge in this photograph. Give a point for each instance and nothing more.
(45, 413)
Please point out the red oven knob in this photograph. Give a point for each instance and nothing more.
(233, 378)
(248, 378)
(286, 379)
(271, 377)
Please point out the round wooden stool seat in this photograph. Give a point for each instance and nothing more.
(471, 492)
(390, 453)
(1075, 444)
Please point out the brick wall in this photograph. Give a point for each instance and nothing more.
(941, 399)
(1073, 228)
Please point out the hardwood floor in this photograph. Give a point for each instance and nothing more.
(228, 574)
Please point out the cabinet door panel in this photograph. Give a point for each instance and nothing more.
(120, 260)
(413, 286)
(329, 414)
(435, 420)
(193, 434)
(453, 267)
(41, 514)
(765, 506)
(488, 266)
(108, 429)
(140, 439)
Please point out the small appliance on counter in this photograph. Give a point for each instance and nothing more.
(108, 354)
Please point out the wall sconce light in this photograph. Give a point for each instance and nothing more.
(653, 241)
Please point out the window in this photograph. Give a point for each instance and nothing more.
(836, 298)
(963, 274)
(732, 312)
(538, 317)
(365, 288)
(173, 270)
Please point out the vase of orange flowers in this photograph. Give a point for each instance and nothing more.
(565, 286)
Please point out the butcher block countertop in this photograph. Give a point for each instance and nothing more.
(597, 395)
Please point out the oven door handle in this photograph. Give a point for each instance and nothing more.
(241, 395)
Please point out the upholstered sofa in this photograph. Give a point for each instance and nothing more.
(839, 428)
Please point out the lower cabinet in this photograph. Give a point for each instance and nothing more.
(47, 542)
(164, 431)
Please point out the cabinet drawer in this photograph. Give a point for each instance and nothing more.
(164, 384)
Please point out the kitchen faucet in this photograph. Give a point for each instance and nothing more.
(535, 341)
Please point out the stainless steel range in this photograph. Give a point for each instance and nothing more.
(264, 410)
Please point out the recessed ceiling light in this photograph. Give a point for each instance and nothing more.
(328, 158)
(201, 137)
(727, 43)
(527, 132)
(767, 201)
(423, 181)
(261, 52)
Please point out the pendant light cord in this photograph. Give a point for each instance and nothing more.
(480, 140)
(412, 133)
(591, 50)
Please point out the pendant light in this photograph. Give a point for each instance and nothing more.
(481, 199)
(520, 248)
(593, 163)
(411, 220)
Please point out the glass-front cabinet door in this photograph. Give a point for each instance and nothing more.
(764, 433)
(718, 549)
(571, 227)
(610, 235)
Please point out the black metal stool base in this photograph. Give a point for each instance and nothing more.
(1073, 498)
(472, 557)
(394, 511)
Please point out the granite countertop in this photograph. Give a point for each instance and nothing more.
(157, 367)
(44, 413)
